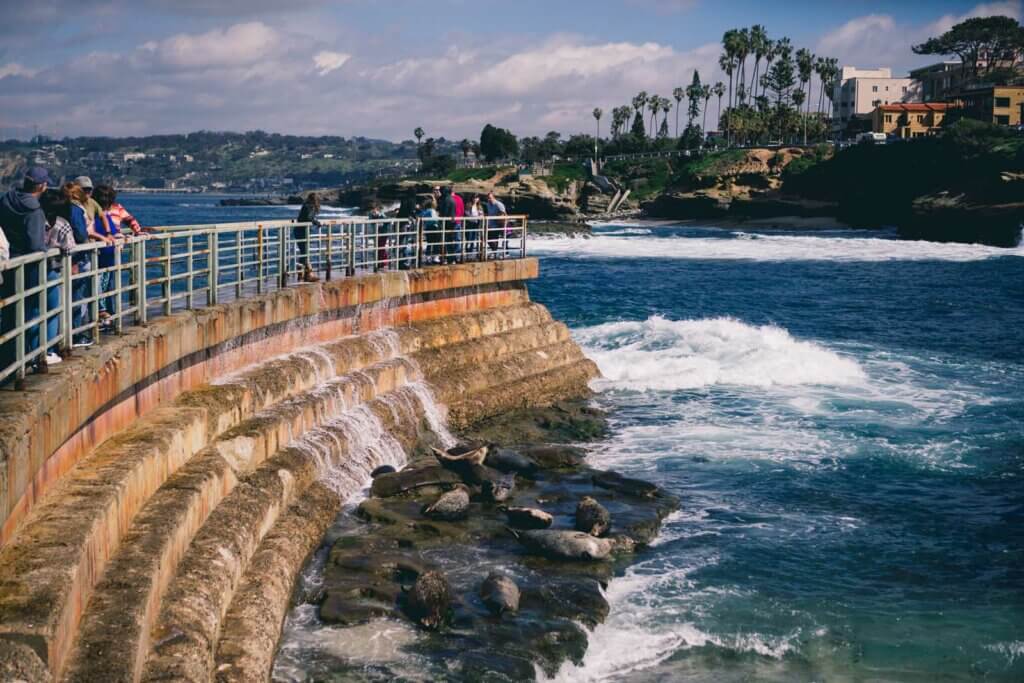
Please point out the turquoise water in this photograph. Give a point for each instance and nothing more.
(842, 414)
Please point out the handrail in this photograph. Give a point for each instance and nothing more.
(51, 300)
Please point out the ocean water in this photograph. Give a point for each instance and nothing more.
(842, 415)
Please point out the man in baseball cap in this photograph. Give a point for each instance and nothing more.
(92, 207)
(21, 217)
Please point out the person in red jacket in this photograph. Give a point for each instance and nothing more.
(460, 213)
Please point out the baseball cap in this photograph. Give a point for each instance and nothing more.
(84, 182)
(38, 175)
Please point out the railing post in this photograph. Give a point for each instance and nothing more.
(116, 313)
(522, 249)
(282, 266)
(213, 265)
(483, 238)
(67, 304)
(259, 258)
(327, 269)
(419, 243)
(140, 283)
(350, 257)
(19, 324)
(167, 275)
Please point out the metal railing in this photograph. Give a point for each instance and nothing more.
(54, 301)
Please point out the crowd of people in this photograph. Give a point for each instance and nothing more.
(36, 216)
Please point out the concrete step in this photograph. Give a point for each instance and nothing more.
(114, 631)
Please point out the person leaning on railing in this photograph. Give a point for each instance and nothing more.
(308, 217)
(24, 224)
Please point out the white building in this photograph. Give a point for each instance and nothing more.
(134, 156)
(859, 91)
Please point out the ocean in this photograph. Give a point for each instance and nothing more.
(842, 416)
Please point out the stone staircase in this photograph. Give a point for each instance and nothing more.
(170, 552)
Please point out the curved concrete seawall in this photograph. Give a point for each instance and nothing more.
(161, 490)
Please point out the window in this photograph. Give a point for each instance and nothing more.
(875, 103)
(1002, 120)
(920, 118)
(874, 88)
(1003, 102)
(904, 90)
(886, 88)
(888, 118)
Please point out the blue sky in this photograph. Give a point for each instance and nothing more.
(380, 68)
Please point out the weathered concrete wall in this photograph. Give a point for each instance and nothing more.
(138, 490)
(62, 416)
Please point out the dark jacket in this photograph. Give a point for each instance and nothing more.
(23, 222)
(447, 205)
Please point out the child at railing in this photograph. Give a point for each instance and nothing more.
(108, 305)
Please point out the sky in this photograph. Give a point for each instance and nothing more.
(380, 68)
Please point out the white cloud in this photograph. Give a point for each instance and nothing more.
(326, 61)
(238, 45)
(15, 69)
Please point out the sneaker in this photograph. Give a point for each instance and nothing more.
(82, 341)
(53, 359)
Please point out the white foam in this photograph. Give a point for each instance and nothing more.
(760, 247)
(667, 355)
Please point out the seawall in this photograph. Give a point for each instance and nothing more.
(161, 490)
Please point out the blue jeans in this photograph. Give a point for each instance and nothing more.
(80, 290)
(33, 307)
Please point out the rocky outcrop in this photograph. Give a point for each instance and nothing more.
(945, 217)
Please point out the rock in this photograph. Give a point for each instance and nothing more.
(622, 544)
(500, 594)
(451, 506)
(410, 479)
(556, 457)
(346, 612)
(528, 518)
(613, 481)
(499, 489)
(429, 601)
(509, 461)
(592, 517)
(383, 469)
(565, 545)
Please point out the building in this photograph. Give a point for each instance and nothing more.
(858, 92)
(911, 120)
(1002, 105)
(939, 81)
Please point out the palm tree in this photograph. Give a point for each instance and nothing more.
(678, 94)
(705, 93)
(639, 102)
(466, 147)
(805, 70)
(771, 51)
(760, 46)
(419, 134)
(598, 113)
(798, 97)
(743, 50)
(719, 91)
(654, 106)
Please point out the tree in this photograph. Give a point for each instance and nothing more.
(760, 45)
(419, 134)
(694, 92)
(805, 69)
(744, 45)
(981, 43)
(654, 106)
(719, 91)
(639, 102)
(466, 147)
(598, 113)
(781, 78)
(706, 96)
(497, 143)
(678, 94)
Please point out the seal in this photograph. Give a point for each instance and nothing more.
(429, 600)
(564, 545)
(500, 594)
(451, 506)
(592, 517)
(528, 518)
(499, 489)
(509, 461)
(383, 469)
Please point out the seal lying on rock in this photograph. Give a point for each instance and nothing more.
(509, 461)
(500, 594)
(451, 506)
(499, 489)
(528, 518)
(461, 455)
(592, 517)
(565, 545)
(383, 469)
(429, 600)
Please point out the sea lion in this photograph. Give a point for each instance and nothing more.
(528, 518)
(451, 506)
(429, 600)
(565, 545)
(383, 469)
(592, 517)
(509, 461)
(499, 489)
(500, 594)
(473, 455)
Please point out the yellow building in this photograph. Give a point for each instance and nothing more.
(911, 120)
(1002, 105)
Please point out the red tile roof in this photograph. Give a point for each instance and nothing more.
(916, 106)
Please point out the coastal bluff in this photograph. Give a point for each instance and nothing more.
(162, 490)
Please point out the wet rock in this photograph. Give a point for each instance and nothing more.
(622, 544)
(578, 599)
(411, 479)
(450, 507)
(528, 518)
(556, 457)
(565, 545)
(613, 481)
(499, 489)
(383, 469)
(500, 594)
(461, 459)
(507, 460)
(429, 601)
(592, 517)
(347, 612)
(492, 665)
